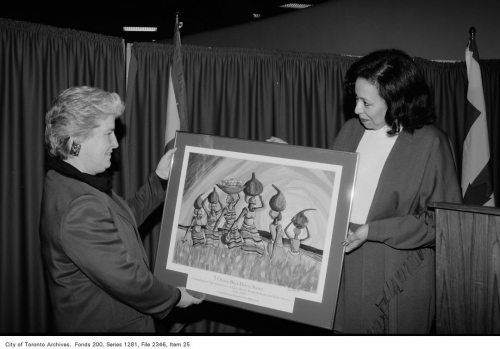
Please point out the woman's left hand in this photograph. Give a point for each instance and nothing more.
(355, 239)
(163, 168)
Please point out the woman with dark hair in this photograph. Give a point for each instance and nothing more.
(400, 84)
(97, 272)
(405, 163)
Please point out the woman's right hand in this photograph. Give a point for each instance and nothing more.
(187, 299)
(355, 239)
(276, 140)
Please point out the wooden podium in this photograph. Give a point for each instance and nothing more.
(467, 269)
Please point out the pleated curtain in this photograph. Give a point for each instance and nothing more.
(231, 92)
(37, 62)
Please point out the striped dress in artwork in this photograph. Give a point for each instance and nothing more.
(211, 234)
(197, 234)
(252, 241)
(233, 238)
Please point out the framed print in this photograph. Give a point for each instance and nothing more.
(257, 225)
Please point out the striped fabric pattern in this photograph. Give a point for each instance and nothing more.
(252, 241)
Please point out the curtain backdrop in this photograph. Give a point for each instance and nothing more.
(254, 94)
(241, 93)
(37, 62)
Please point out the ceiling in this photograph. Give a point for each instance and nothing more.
(107, 18)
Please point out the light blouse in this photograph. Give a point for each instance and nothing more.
(373, 149)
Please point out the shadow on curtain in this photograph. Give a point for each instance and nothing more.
(37, 62)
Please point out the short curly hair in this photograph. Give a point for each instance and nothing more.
(75, 113)
(401, 85)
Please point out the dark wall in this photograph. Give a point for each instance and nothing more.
(432, 29)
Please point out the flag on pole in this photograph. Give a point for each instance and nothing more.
(177, 117)
(477, 186)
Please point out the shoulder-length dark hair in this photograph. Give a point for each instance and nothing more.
(400, 84)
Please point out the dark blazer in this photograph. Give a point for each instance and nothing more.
(97, 270)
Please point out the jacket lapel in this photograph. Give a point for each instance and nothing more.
(121, 208)
(401, 150)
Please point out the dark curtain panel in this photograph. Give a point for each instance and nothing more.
(37, 62)
(255, 94)
(490, 72)
(146, 105)
(448, 82)
(313, 103)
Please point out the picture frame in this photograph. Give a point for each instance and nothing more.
(257, 225)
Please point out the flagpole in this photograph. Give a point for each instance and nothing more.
(177, 23)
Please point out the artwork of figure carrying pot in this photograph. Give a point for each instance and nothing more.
(261, 221)
(240, 231)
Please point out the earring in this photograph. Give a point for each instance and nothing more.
(75, 149)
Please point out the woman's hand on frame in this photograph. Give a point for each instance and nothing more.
(163, 167)
(188, 300)
(355, 239)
